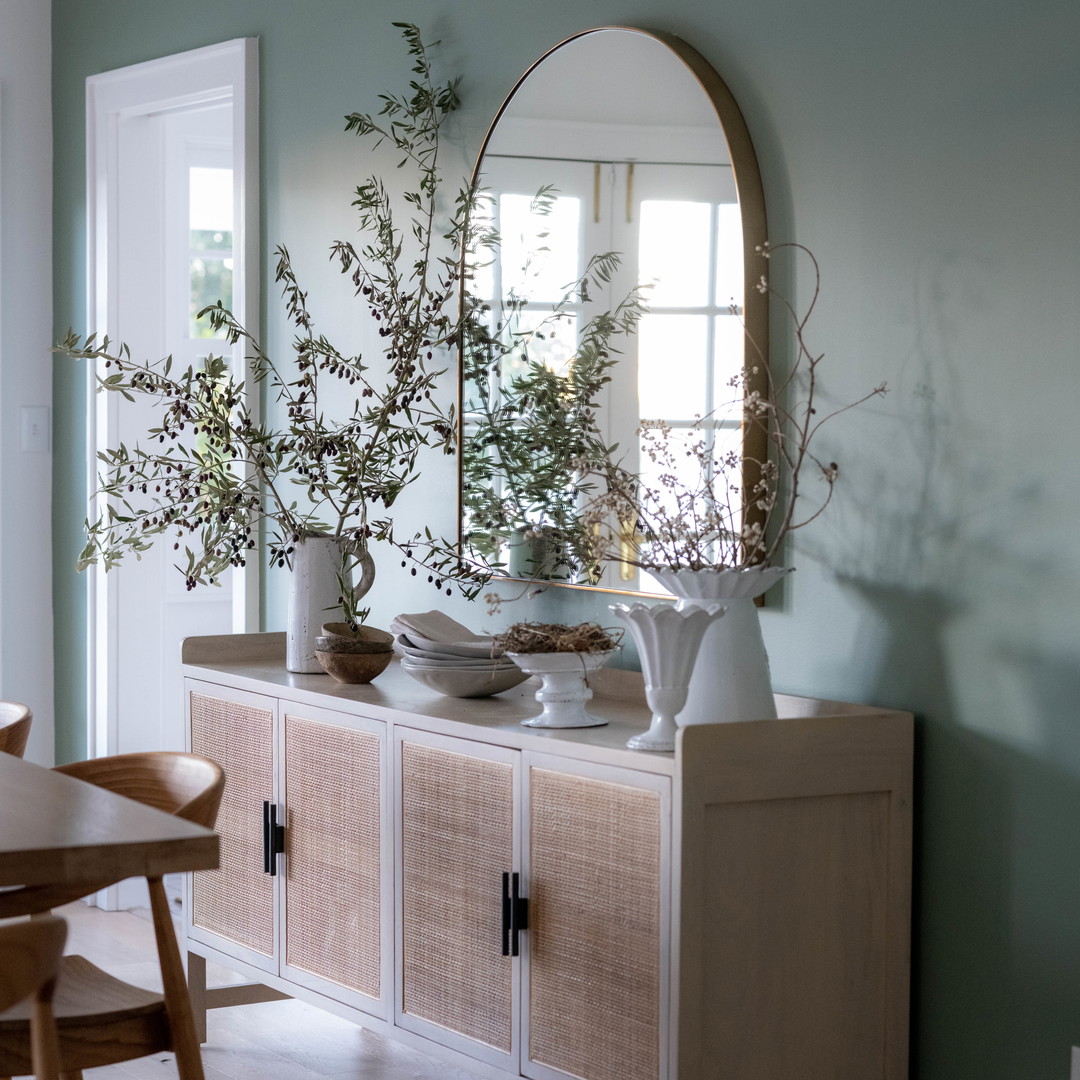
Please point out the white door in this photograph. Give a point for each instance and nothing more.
(172, 226)
(165, 203)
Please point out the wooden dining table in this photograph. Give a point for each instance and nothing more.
(57, 830)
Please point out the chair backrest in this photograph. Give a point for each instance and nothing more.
(186, 785)
(30, 953)
(15, 721)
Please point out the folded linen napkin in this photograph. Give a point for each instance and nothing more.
(435, 626)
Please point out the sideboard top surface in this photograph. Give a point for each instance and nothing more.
(256, 663)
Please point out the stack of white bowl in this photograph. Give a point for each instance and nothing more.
(449, 658)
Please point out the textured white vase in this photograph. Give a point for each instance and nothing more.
(313, 595)
(563, 691)
(731, 680)
(533, 554)
(668, 641)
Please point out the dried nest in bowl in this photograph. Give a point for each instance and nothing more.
(555, 637)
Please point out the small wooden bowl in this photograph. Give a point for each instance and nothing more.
(339, 637)
(354, 667)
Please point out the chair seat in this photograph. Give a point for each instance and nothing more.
(101, 1020)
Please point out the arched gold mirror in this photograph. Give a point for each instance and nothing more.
(623, 141)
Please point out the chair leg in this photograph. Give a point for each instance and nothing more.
(196, 979)
(44, 1044)
(177, 1002)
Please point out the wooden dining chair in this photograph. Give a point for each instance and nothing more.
(101, 1019)
(15, 721)
(29, 959)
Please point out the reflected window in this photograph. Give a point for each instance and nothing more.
(678, 234)
(541, 245)
(675, 250)
(691, 345)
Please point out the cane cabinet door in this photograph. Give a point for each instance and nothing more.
(458, 837)
(596, 849)
(236, 901)
(338, 882)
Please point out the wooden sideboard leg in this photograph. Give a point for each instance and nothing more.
(225, 997)
(205, 997)
(196, 975)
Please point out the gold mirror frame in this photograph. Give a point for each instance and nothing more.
(751, 199)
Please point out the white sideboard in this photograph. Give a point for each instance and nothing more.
(519, 902)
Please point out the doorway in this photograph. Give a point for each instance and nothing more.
(172, 217)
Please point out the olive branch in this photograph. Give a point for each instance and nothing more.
(215, 477)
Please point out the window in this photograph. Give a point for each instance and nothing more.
(210, 232)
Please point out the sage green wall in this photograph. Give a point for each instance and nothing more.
(928, 153)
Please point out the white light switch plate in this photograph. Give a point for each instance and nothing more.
(35, 429)
(1074, 1072)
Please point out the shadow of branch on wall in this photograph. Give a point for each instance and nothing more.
(942, 537)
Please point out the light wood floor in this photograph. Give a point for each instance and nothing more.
(277, 1040)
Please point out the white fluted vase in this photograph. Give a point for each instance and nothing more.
(668, 641)
(731, 679)
(318, 562)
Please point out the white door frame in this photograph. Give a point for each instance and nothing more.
(217, 74)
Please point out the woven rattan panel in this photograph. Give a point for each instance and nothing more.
(237, 900)
(333, 853)
(457, 840)
(594, 918)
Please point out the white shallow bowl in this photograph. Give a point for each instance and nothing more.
(406, 648)
(468, 649)
(467, 682)
(456, 665)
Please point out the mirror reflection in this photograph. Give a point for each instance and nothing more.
(613, 297)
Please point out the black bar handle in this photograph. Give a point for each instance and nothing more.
(515, 914)
(266, 837)
(272, 827)
(273, 838)
(277, 839)
(507, 914)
